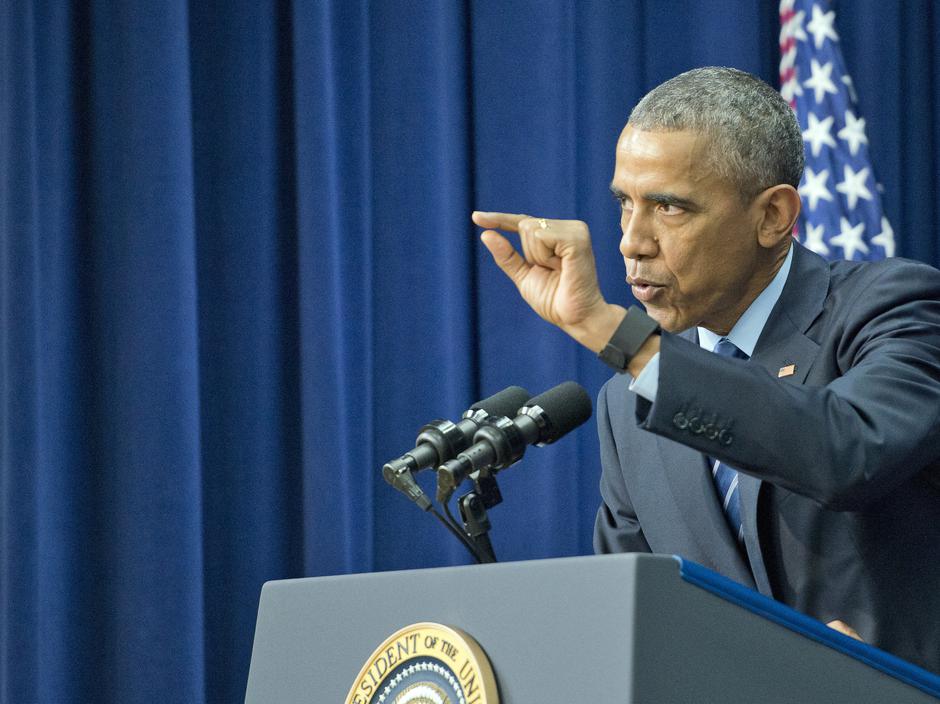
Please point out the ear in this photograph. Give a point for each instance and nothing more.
(779, 207)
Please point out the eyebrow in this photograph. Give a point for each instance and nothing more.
(661, 198)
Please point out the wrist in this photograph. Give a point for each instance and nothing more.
(644, 355)
(596, 330)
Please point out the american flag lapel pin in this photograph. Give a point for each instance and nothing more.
(788, 370)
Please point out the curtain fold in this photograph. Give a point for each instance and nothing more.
(237, 274)
(144, 466)
(19, 378)
(332, 97)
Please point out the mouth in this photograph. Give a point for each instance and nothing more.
(644, 290)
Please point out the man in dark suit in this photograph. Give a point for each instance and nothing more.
(804, 458)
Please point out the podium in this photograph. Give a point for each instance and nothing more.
(631, 628)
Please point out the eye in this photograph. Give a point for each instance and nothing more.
(670, 209)
(624, 202)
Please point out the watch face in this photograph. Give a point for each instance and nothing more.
(613, 358)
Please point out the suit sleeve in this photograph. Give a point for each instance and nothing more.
(873, 426)
(616, 528)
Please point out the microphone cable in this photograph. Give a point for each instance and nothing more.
(451, 524)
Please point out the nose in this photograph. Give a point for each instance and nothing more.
(638, 241)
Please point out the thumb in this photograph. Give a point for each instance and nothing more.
(505, 256)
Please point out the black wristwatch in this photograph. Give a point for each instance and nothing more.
(628, 338)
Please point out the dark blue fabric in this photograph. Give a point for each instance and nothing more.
(237, 273)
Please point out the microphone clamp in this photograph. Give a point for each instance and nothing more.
(398, 474)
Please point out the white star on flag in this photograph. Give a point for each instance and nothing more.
(853, 132)
(815, 240)
(814, 187)
(820, 81)
(791, 32)
(853, 187)
(850, 238)
(791, 88)
(820, 26)
(819, 133)
(885, 238)
(849, 86)
(796, 27)
(793, 27)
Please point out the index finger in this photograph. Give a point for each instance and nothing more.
(498, 221)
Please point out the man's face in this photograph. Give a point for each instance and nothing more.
(689, 243)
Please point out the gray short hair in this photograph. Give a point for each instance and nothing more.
(755, 137)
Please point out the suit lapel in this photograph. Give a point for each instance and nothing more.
(749, 489)
(783, 342)
(784, 350)
(689, 480)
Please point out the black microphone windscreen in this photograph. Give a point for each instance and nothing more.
(566, 407)
(503, 403)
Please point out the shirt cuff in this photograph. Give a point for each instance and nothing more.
(647, 383)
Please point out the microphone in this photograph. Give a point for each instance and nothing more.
(501, 442)
(440, 440)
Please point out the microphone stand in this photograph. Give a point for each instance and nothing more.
(476, 522)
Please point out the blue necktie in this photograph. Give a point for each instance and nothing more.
(726, 478)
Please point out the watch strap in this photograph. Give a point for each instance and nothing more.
(635, 329)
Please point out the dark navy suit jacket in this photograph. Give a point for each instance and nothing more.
(839, 461)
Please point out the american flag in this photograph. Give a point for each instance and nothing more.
(842, 214)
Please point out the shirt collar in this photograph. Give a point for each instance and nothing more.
(747, 330)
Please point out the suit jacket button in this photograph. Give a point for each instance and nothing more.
(725, 437)
(711, 432)
(696, 426)
(680, 421)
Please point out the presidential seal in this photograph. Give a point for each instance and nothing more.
(426, 663)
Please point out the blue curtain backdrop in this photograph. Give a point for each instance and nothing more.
(237, 273)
